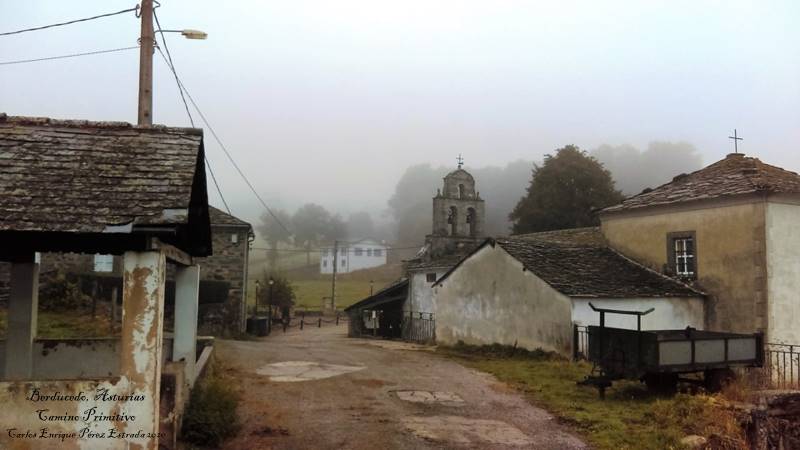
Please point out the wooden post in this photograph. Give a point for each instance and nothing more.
(146, 40)
(114, 294)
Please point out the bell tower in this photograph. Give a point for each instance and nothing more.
(458, 214)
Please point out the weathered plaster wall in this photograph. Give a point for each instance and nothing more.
(731, 260)
(669, 314)
(490, 299)
(783, 272)
(20, 408)
(421, 297)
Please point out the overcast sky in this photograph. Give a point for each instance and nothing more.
(330, 101)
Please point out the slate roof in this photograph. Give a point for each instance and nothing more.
(582, 236)
(221, 218)
(737, 174)
(77, 176)
(587, 270)
(395, 291)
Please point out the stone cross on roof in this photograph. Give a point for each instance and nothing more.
(460, 160)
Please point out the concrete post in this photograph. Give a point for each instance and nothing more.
(23, 306)
(184, 344)
(141, 338)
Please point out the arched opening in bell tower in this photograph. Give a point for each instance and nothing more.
(471, 221)
(452, 220)
(460, 191)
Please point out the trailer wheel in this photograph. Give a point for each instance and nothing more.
(663, 383)
(716, 379)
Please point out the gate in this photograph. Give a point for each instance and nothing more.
(419, 327)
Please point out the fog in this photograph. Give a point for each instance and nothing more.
(331, 102)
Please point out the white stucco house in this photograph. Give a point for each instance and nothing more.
(352, 256)
(530, 291)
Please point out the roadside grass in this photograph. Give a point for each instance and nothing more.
(65, 324)
(629, 418)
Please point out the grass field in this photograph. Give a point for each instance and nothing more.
(630, 417)
(65, 324)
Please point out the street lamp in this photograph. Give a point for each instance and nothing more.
(188, 33)
(271, 283)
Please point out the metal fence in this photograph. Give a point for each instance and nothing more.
(580, 342)
(781, 366)
(419, 327)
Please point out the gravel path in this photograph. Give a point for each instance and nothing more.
(318, 389)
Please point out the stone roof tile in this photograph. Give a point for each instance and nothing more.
(737, 174)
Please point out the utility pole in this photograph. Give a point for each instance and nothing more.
(146, 40)
(333, 280)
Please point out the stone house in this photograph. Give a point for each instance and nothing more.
(530, 290)
(357, 255)
(731, 229)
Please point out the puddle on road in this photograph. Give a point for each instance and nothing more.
(445, 398)
(293, 371)
(463, 430)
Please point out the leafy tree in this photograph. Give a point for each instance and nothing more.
(564, 192)
(274, 233)
(313, 224)
(281, 296)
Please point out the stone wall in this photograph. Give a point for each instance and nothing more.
(229, 264)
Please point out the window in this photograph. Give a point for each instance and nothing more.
(343, 263)
(377, 252)
(369, 252)
(359, 251)
(682, 253)
(324, 263)
(234, 239)
(430, 277)
(103, 263)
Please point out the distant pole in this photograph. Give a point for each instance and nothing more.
(371, 285)
(333, 279)
(736, 140)
(146, 40)
(269, 321)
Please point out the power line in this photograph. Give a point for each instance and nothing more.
(8, 33)
(230, 158)
(22, 61)
(319, 250)
(171, 65)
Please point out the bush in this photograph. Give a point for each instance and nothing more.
(210, 417)
(62, 292)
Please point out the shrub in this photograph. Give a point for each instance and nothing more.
(210, 417)
(61, 292)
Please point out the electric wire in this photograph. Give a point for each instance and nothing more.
(8, 33)
(230, 158)
(171, 65)
(48, 58)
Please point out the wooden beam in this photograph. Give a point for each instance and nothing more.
(173, 254)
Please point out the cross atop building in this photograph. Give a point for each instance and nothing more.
(736, 140)
(460, 160)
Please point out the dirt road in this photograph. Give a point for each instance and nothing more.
(318, 389)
